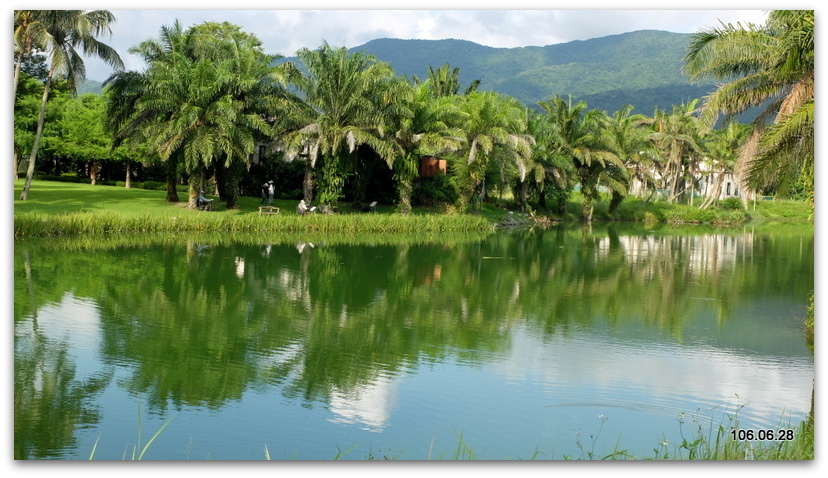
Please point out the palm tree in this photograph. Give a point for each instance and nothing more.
(443, 82)
(129, 107)
(623, 135)
(724, 154)
(676, 135)
(495, 129)
(28, 33)
(576, 133)
(554, 173)
(770, 67)
(348, 99)
(202, 101)
(60, 33)
(426, 128)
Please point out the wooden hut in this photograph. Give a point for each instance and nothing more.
(431, 166)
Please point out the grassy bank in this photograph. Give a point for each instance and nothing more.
(729, 212)
(56, 209)
(63, 208)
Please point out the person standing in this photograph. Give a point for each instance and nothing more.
(270, 190)
(265, 190)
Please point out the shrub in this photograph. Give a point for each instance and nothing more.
(433, 191)
(730, 204)
(153, 185)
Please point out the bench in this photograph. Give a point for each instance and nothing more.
(204, 204)
(268, 210)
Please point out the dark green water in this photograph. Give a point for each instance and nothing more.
(538, 344)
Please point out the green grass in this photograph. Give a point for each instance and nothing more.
(65, 208)
(57, 208)
(637, 210)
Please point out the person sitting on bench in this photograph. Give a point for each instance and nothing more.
(303, 208)
(203, 203)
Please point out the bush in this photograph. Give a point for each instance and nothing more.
(64, 178)
(442, 189)
(152, 185)
(730, 204)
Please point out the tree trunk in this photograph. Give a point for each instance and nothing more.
(307, 183)
(233, 175)
(17, 71)
(524, 192)
(172, 178)
(717, 190)
(128, 179)
(196, 181)
(94, 168)
(41, 117)
(360, 180)
(220, 174)
(586, 210)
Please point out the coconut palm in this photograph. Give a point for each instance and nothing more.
(59, 34)
(28, 33)
(770, 67)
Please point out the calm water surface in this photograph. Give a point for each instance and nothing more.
(540, 344)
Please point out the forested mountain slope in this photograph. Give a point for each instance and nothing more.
(641, 68)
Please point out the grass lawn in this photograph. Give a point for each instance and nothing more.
(51, 198)
(57, 208)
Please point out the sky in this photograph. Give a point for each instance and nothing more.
(284, 29)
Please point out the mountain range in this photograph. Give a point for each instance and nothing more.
(641, 68)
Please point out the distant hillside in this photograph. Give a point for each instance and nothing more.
(641, 68)
(90, 86)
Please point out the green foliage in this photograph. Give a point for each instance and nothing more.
(61, 34)
(780, 210)
(730, 204)
(770, 67)
(642, 68)
(81, 134)
(440, 189)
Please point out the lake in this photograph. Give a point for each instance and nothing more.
(566, 342)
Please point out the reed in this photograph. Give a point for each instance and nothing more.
(106, 223)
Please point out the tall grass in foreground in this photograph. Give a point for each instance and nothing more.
(136, 454)
(39, 225)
